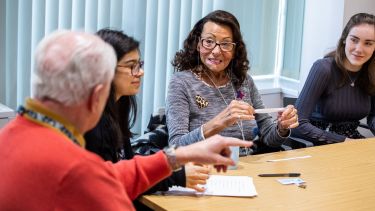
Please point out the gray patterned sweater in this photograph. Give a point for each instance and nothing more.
(185, 117)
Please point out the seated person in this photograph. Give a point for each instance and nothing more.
(212, 93)
(42, 155)
(111, 137)
(340, 88)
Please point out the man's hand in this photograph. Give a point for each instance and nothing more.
(214, 150)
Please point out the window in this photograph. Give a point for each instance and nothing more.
(293, 39)
(160, 25)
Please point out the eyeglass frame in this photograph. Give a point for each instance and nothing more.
(233, 44)
(135, 68)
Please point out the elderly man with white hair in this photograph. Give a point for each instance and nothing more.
(43, 163)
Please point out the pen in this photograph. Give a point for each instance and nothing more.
(281, 175)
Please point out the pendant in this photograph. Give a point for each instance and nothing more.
(352, 84)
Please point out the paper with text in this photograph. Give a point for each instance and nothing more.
(219, 185)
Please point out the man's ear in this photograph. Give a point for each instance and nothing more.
(93, 101)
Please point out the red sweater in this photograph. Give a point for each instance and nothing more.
(41, 169)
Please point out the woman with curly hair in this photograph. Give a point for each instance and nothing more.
(212, 92)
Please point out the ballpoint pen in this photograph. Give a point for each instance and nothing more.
(281, 175)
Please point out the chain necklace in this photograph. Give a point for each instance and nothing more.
(239, 123)
(352, 84)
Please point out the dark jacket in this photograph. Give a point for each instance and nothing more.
(99, 140)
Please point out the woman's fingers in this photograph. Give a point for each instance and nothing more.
(288, 118)
(197, 188)
(239, 110)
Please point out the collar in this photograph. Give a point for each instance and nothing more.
(36, 112)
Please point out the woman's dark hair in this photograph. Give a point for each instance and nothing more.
(367, 74)
(120, 115)
(188, 57)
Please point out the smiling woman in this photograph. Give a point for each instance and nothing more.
(212, 92)
(340, 89)
(359, 46)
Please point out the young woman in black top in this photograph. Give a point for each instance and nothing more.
(340, 88)
(111, 137)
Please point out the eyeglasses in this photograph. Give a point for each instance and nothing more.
(135, 68)
(210, 44)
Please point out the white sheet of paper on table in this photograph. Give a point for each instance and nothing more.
(292, 158)
(220, 185)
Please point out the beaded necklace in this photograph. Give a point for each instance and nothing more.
(42, 119)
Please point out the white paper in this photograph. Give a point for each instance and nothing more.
(292, 158)
(288, 181)
(268, 110)
(219, 185)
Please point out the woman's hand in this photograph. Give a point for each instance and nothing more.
(196, 174)
(287, 119)
(234, 112)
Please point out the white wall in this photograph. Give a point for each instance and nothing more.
(323, 24)
(322, 28)
(355, 6)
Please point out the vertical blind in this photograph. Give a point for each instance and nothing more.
(160, 26)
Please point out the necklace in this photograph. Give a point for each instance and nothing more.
(352, 81)
(212, 81)
(45, 120)
(239, 123)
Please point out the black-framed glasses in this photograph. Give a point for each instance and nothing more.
(210, 44)
(135, 68)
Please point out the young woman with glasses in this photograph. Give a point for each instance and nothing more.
(111, 137)
(212, 92)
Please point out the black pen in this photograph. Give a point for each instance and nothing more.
(281, 175)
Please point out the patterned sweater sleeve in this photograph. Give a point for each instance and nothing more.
(178, 113)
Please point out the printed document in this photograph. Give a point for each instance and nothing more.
(220, 185)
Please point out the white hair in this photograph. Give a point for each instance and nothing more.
(68, 65)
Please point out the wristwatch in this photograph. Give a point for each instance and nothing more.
(170, 152)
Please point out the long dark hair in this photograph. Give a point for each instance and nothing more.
(367, 74)
(118, 116)
(188, 57)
